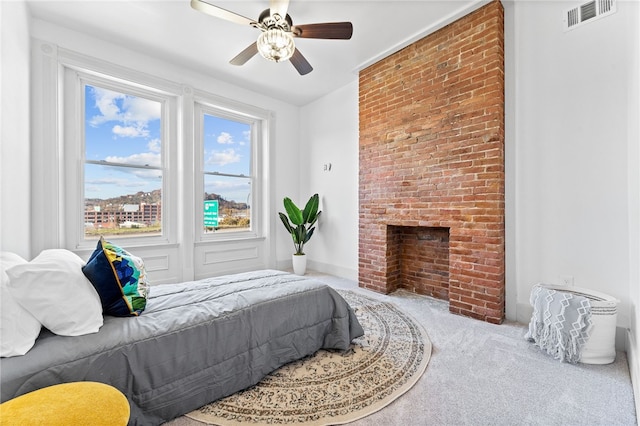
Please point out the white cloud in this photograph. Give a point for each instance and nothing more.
(146, 174)
(112, 187)
(155, 145)
(223, 187)
(130, 131)
(246, 137)
(142, 159)
(140, 110)
(132, 111)
(221, 158)
(225, 138)
(105, 101)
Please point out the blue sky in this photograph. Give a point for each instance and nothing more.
(227, 150)
(126, 129)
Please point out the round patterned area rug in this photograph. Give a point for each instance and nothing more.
(332, 387)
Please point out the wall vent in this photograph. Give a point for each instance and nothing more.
(588, 12)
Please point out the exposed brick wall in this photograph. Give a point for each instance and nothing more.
(432, 156)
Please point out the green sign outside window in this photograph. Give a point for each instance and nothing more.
(210, 213)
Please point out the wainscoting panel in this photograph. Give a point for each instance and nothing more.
(227, 257)
(157, 263)
(222, 255)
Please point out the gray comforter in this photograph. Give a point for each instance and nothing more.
(196, 342)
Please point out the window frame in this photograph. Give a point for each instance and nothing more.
(55, 168)
(259, 122)
(75, 78)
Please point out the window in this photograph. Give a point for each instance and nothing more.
(119, 172)
(227, 174)
(228, 147)
(123, 167)
(134, 156)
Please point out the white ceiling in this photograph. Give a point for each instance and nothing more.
(173, 31)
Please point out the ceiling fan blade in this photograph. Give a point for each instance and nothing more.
(219, 12)
(329, 30)
(245, 55)
(300, 63)
(280, 7)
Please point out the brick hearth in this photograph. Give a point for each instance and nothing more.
(432, 167)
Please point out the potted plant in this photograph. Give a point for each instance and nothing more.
(300, 224)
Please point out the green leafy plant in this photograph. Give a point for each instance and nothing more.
(300, 223)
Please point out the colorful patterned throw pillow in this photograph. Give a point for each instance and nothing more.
(119, 278)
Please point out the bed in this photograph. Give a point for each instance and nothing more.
(195, 342)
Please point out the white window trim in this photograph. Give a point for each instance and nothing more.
(205, 103)
(74, 75)
(49, 211)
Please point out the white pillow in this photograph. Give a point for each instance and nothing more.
(53, 289)
(18, 328)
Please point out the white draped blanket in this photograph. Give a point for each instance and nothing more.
(560, 323)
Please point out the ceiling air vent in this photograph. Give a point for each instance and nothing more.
(588, 12)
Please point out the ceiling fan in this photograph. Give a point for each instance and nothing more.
(276, 40)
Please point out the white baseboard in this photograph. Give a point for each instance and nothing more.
(350, 274)
(337, 271)
(634, 370)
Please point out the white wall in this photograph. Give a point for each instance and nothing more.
(571, 150)
(577, 158)
(329, 159)
(633, 114)
(15, 222)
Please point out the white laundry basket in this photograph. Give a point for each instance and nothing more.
(601, 346)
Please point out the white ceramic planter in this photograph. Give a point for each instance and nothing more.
(601, 346)
(299, 263)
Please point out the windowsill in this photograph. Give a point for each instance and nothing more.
(135, 247)
(230, 239)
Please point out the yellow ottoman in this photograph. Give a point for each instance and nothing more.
(78, 403)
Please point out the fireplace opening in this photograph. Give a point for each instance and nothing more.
(418, 260)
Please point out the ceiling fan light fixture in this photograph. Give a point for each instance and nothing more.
(276, 45)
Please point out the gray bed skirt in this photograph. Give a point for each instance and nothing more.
(196, 342)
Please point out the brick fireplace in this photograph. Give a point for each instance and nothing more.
(431, 188)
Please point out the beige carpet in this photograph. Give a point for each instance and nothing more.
(335, 387)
